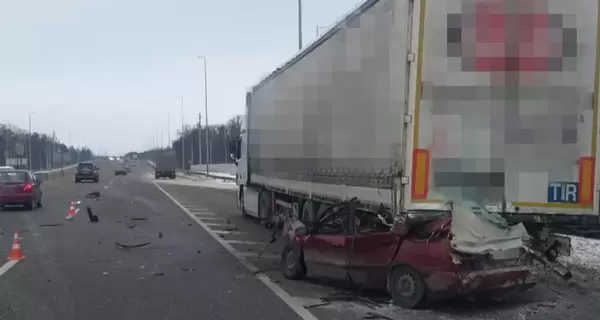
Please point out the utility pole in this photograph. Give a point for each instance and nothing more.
(182, 137)
(299, 24)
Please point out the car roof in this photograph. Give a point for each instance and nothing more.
(86, 162)
(16, 171)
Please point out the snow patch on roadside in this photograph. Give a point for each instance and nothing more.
(584, 252)
(196, 181)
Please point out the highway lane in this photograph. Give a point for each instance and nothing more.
(551, 299)
(75, 271)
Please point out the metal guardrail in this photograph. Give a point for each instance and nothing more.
(46, 175)
(199, 173)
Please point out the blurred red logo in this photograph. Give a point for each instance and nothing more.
(506, 36)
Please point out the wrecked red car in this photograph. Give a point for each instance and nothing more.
(414, 258)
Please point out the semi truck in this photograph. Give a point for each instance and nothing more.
(409, 105)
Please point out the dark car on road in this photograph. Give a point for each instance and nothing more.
(87, 171)
(20, 188)
(120, 171)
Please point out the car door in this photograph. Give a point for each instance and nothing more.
(326, 248)
(373, 248)
(35, 184)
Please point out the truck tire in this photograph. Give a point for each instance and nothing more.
(240, 203)
(265, 212)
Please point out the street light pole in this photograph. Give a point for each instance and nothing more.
(182, 137)
(168, 130)
(299, 24)
(206, 113)
(226, 144)
(29, 155)
(199, 138)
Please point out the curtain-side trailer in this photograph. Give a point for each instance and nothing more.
(408, 104)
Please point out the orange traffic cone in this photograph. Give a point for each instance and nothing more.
(15, 253)
(71, 213)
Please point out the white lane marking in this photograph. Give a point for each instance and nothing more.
(203, 214)
(212, 219)
(254, 243)
(224, 231)
(292, 302)
(210, 224)
(7, 266)
(254, 255)
(105, 187)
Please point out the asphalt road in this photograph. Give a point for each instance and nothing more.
(75, 270)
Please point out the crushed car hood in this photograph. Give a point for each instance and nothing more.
(477, 231)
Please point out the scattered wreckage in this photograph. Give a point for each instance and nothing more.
(465, 251)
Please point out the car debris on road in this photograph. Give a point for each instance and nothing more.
(133, 246)
(93, 218)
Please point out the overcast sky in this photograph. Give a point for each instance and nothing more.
(107, 73)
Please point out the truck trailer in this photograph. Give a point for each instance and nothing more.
(407, 106)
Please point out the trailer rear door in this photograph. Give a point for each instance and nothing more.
(505, 104)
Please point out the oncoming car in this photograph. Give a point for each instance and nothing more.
(20, 188)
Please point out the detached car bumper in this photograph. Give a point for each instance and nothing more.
(487, 282)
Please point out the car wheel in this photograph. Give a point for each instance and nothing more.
(407, 287)
(77, 181)
(39, 203)
(292, 267)
(31, 205)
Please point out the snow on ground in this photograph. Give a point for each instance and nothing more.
(585, 253)
(195, 181)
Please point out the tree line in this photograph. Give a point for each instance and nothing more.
(46, 152)
(219, 135)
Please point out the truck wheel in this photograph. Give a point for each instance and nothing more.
(292, 267)
(407, 287)
(240, 203)
(264, 209)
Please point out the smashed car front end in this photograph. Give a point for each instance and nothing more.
(470, 254)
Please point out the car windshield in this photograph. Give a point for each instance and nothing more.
(7, 177)
(485, 209)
